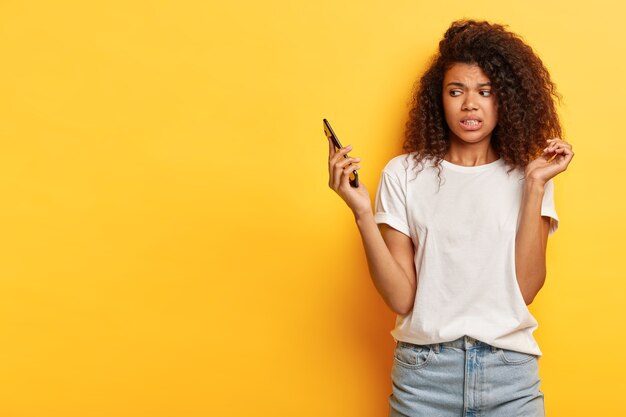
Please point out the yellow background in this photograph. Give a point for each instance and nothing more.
(169, 243)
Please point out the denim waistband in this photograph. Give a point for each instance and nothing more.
(463, 342)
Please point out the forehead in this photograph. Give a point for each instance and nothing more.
(466, 74)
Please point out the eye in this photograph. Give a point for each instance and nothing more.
(455, 93)
(485, 93)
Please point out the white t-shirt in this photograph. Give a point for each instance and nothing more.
(464, 235)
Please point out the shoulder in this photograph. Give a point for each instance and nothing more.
(398, 163)
(405, 168)
(401, 164)
(396, 169)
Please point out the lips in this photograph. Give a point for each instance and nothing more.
(471, 123)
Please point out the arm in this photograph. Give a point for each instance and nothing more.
(390, 258)
(389, 252)
(532, 234)
(530, 242)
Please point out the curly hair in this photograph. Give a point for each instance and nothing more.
(524, 93)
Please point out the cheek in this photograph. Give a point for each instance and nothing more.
(493, 109)
(495, 106)
(447, 108)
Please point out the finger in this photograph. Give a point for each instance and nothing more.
(554, 140)
(558, 142)
(563, 145)
(347, 161)
(552, 147)
(555, 152)
(337, 177)
(345, 165)
(567, 152)
(331, 148)
(344, 150)
(341, 153)
(551, 155)
(339, 157)
(563, 155)
(564, 160)
(331, 174)
(352, 168)
(345, 176)
(331, 155)
(337, 166)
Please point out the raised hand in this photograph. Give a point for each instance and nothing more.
(554, 160)
(339, 169)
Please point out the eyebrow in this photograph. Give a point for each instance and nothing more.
(458, 84)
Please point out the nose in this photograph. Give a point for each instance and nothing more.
(469, 103)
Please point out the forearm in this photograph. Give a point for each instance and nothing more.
(390, 279)
(530, 243)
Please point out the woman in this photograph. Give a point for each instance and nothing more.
(464, 220)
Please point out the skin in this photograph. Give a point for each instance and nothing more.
(390, 253)
(467, 94)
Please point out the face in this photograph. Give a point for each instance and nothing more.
(469, 105)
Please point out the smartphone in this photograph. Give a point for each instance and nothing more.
(354, 177)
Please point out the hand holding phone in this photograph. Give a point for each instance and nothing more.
(354, 176)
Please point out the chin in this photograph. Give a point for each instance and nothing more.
(472, 138)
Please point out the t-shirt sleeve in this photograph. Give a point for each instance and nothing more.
(391, 203)
(547, 206)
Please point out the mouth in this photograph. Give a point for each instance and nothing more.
(471, 124)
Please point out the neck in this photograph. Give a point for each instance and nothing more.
(470, 154)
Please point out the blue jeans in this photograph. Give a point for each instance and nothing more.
(464, 378)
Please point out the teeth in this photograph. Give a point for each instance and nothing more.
(471, 122)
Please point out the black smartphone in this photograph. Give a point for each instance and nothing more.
(354, 177)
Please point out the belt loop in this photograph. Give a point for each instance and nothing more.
(494, 349)
(437, 347)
